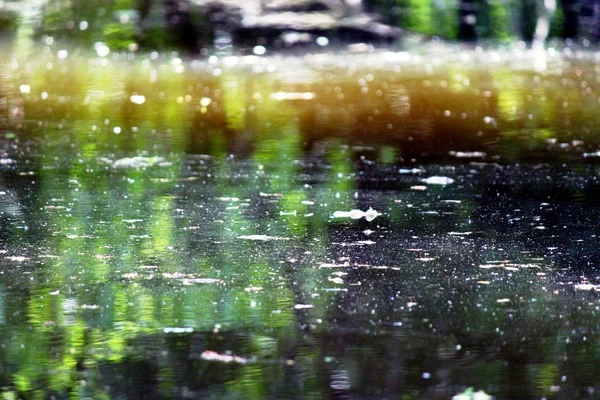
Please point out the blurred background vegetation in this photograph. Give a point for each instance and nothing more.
(197, 24)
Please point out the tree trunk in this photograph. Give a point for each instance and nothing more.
(546, 9)
(180, 24)
(467, 20)
(571, 23)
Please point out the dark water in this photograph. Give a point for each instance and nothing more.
(183, 244)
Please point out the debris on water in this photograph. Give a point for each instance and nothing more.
(357, 243)
(178, 330)
(587, 287)
(191, 281)
(230, 199)
(354, 214)
(594, 154)
(438, 180)
(508, 265)
(468, 154)
(303, 306)
(210, 355)
(17, 258)
(367, 242)
(136, 162)
(503, 301)
(55, 293)
(288, 213)
(263, 238)
(336, 280)
(369, 215)
(470, 394)
(405, 171)
(419, 188)
(261, 194)
(331, 265)
(90, 306)
(459, 233)
(452, 201)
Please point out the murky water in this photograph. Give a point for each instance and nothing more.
(184, 229)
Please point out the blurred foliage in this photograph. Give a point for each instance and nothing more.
(118, 23)
(86, 22)
(9, 21)
(497, 21)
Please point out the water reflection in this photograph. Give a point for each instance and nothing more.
(129, 269)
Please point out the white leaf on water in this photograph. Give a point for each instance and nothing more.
(410, 170)
(336, 280)
(263, 238)
(136, 162)
(178, 330)
(367, 242)
(261, 194)
(355, 214)
(438, 180)
(18, 258)
(329, 265)
(369, 215)
(210, 355)
(587, 287)
(502, 301)
(468, 154)
(303, 306)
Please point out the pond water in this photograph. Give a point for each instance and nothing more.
(184, 229)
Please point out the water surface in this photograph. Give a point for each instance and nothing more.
(171, 228)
